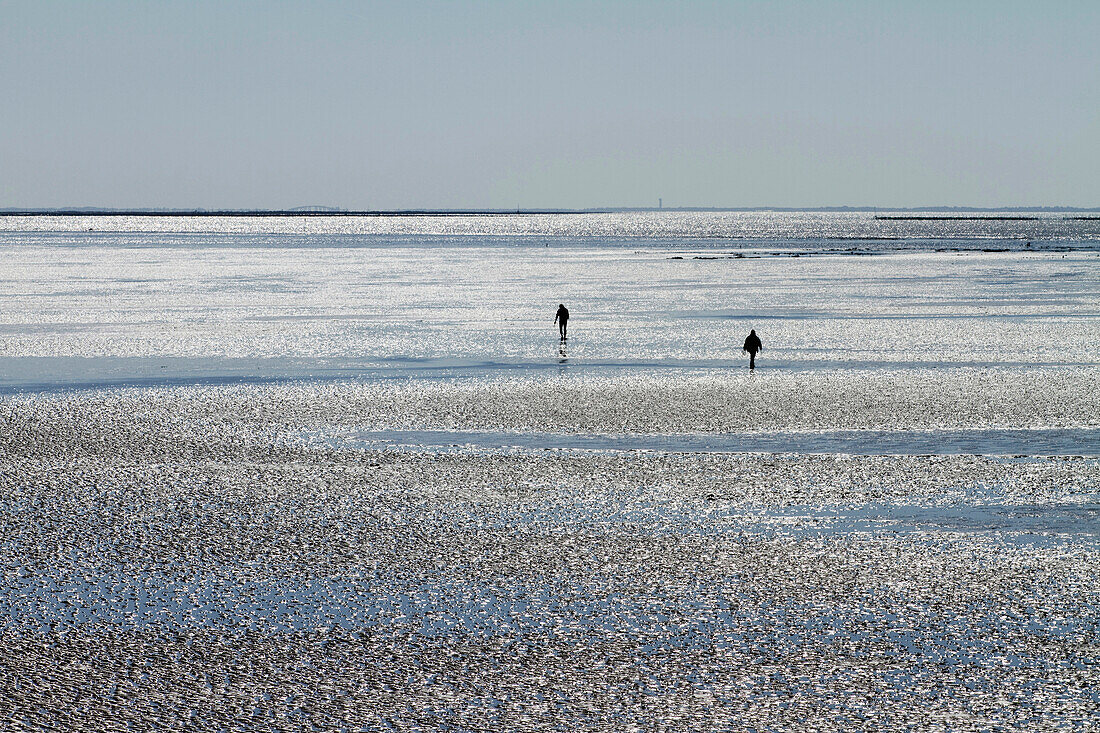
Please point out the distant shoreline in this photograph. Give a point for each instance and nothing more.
(930, 213)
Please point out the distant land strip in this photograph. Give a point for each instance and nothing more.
(295, 212)
(1025, 213)
(966, 217)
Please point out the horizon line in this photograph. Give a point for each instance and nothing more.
(335, 211)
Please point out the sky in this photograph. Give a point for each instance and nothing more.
(380, 105)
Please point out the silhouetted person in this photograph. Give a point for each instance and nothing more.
(562, 319)
(752, 345)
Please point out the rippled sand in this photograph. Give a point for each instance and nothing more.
(197, 558)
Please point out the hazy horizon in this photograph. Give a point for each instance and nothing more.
(324, 209)
(442, 106)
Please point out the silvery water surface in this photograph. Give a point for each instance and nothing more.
(340, 472)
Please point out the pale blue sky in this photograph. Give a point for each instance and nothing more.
(567, 104)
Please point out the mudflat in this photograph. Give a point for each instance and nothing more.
(251, 482)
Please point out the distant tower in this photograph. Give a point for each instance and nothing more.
(660, 203)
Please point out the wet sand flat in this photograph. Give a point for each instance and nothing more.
(191, 557)
(294, 475)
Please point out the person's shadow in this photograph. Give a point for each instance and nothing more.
(562, 356)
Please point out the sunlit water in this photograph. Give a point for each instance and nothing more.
(155, 300)
(870, 231)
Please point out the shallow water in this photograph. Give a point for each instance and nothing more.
(1034, 442)
(774, 230)
(95, 310)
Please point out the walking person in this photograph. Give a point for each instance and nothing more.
(562, 319)
(752, 345)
